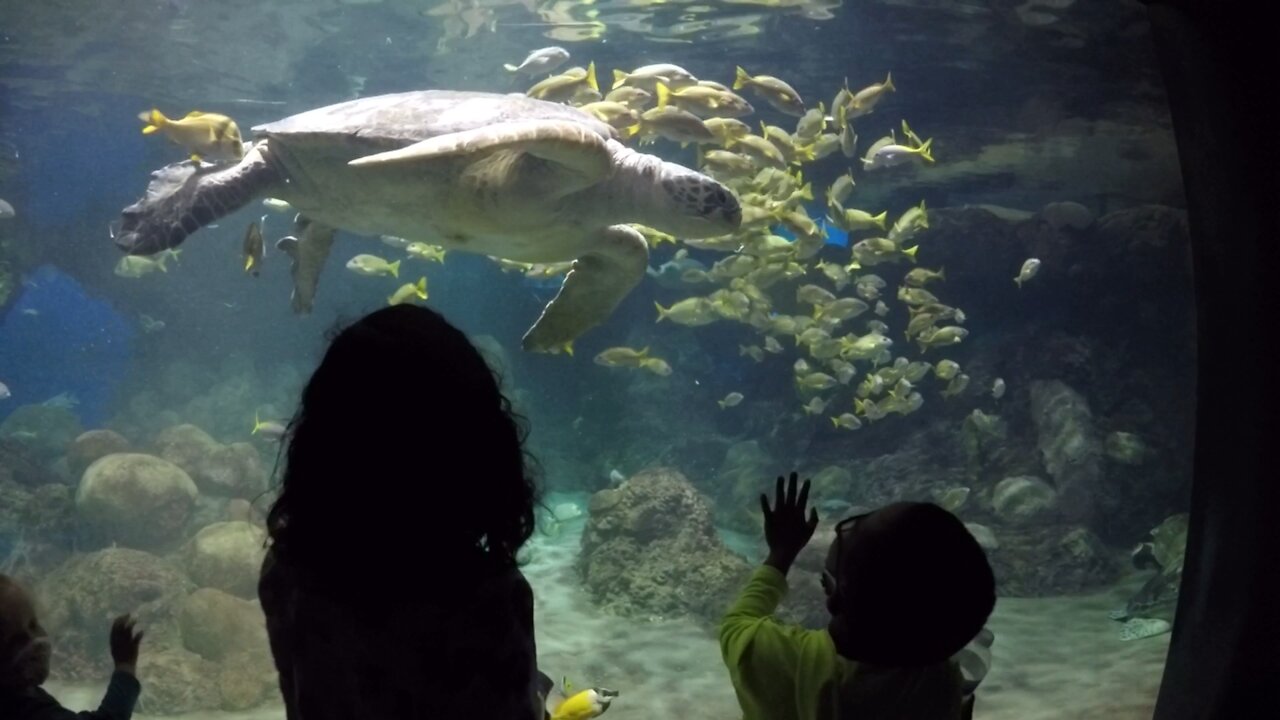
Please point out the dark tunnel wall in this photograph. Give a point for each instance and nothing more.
(1224, 657)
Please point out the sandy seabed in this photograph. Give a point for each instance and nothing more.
(1058, 658)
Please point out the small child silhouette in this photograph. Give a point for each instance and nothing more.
(907, 588)
(24, 664)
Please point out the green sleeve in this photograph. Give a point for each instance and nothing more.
(762, 654)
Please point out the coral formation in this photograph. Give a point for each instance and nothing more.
(20, 463)
(649, 549)
(37, 528)
(80, 599)
(46, 429)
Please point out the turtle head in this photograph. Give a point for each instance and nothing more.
(184, 197)
(155, 223)
(694, 205)
(672, 198)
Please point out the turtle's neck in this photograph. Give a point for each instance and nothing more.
(628, 194)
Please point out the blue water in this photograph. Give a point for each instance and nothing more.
(58, 338)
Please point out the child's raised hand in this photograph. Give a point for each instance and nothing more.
(124, 643)
(786, 528)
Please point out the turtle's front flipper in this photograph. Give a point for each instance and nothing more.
(574, 146)
(593, 288)
(184, 197)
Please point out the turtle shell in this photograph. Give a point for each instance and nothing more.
(391, 121)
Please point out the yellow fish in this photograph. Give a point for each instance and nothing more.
(409, 291)
(730, 400)
(777, 93)
(253, 249)
(919, 277)
(423, 251)
(563, 86)
(622, 357)
(204, 135)
(568, 705)
(864, 101)
(690, 311)
(370, 265)
(657, 366)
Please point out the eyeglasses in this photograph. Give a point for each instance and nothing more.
(829, 581)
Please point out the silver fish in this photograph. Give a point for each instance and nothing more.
(540, 61)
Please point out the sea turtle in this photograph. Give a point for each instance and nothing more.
(501, 175)
(1150, 610)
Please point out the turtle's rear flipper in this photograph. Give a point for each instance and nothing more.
(184, 197)
(598, 281)
(308, 251)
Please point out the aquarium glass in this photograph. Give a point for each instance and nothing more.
(915, 250)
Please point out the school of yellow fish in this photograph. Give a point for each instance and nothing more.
(831, 314)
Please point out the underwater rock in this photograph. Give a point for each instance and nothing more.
(1066, 214)
(604, 501)
(21, 463)
(1045, 560)
(1125, 448)
(80, 599)
(743, 474)
(226, 556)
(1069, 448)
(1143, 228)
(177, 681)
(46, 429)
(233, 470)
(246, 679)
(216, 625)
(241, 510)
(186, 446)
(208, 510)
(649, 549)
(135, 500)
(921, 463)
(91, 445)
(983, 534)
(831, 483)
(1023, 499)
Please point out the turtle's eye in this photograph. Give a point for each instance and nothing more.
(724, 203)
